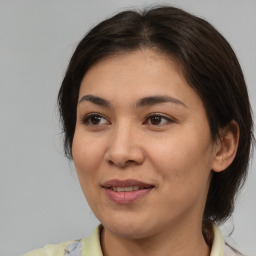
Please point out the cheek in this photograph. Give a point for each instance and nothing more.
(185, 156)
(184, 169)
(85, 164)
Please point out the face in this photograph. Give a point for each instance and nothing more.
(142, 146)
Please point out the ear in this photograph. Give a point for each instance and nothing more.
(226, 147)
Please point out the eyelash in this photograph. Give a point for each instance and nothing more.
(157, 115)
(87, 120)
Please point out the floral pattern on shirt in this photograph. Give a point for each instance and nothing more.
(73, 249)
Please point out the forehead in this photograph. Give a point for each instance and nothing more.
(137, 74)
(140, 62)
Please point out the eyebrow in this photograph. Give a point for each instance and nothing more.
(95, 100)
(147, 101)
(153, 100)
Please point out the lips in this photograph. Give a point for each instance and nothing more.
(126, 191)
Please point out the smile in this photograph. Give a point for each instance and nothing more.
(127, 191)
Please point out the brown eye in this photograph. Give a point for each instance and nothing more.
(155, 120)
(94, 120)
(158, 120)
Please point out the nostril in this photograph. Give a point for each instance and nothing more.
(122, 164)
(130, 161)
(123, 156)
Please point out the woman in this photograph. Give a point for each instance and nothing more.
(157, 120)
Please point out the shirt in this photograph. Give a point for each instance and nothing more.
(90, 246)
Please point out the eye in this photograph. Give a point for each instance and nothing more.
(94, 120)
(157, 120)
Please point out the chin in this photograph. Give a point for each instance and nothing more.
(128, 232)
(128, 227)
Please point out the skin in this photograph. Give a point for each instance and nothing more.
(175, 153)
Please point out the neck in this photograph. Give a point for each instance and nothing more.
(175, 242)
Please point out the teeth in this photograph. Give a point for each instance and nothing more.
(125, 189)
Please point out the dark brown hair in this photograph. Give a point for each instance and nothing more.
(208, 64)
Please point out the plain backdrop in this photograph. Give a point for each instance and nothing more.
(40, 198)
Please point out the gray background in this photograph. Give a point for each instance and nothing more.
(40, 199)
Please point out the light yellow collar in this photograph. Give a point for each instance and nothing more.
(218, 243)
(91, 245)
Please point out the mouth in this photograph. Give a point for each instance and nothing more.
(126, 191)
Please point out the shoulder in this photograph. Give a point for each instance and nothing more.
(228, 251)
(219, 247)
(52, 249)
(89, 246)
(60, 249)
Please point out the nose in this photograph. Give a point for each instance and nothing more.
(124, 147)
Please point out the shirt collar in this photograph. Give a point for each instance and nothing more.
(218, 243)
(91, 245)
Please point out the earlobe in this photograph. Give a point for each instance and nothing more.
(226, 147)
